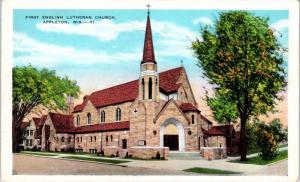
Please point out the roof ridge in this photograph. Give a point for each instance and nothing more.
(113, 86)
(130, 81)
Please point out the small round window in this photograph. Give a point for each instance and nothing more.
(190, 132)
(154, 132)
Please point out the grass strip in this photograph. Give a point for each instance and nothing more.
(259, 161)
(257, 150)
(38, 153)
(209, 171)
(96, 159)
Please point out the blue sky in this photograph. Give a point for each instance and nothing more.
(108, 52)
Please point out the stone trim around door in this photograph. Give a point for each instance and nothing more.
(180, 128)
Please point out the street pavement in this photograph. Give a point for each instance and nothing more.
(25, 164)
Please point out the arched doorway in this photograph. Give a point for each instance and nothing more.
(172, 135)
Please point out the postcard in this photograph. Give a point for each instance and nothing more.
(136, 91)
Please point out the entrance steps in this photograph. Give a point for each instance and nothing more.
(175, 155)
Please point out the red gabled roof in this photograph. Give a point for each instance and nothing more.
(117, 94)
(205, 119)
(213, 131)
(122, 125)
(225, 129)
(62, 123)
(168, 80)
(129, 91)
(39, 123)
(185, 107)
(24, 125)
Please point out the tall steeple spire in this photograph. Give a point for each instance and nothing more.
(148, 55)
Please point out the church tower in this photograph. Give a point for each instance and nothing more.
(149, 79)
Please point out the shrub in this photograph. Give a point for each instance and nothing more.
(269, 136)
(72, 150)
(268, 145)
(157, 155)
(35, 148)
(251, 136)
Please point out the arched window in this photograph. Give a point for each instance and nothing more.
(89, 118)
(77, 139)
(193, 119)
(102, 116)
(111, 138)
(150, 88)
(118, 114)
(62, 139)
(78, 120)
(143, 88)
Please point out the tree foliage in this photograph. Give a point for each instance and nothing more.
(224, 110)
(33, 87)
(269, 136)
(242, 56)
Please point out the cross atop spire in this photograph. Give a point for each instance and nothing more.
(148, 55)
(148, 6)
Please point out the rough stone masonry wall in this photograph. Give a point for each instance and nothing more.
(110, 113)
(114, 151)
(66, 144)
(51, 137)
(148, 152)
(137, 123)
(172, 111)
(100, 143)
(216, 141)
(213, 153)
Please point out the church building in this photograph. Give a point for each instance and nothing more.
(152, 115)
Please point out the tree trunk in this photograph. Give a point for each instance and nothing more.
(16, 135)
(243, 146)
(230, 138)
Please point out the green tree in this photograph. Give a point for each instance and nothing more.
(251, 136)
(223, 109)
(242, 55)
(33, 87)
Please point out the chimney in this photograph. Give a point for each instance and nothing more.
(70, 102)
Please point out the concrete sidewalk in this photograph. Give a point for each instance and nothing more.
(222, 164)
(179, 164)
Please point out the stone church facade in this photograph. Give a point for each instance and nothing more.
(156, 113)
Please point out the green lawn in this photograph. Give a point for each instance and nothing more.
(257, 150)
(209, 171)
(96, 159)
(283, 145)
(258, 160)
(37, 153)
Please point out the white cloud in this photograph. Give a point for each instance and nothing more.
(280, 25)
(107, 30)
(174, 48)
(38, 53)
(173, 40)
(203, 20)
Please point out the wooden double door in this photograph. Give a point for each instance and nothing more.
(171, 141)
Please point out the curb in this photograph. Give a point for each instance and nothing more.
(60, 158)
